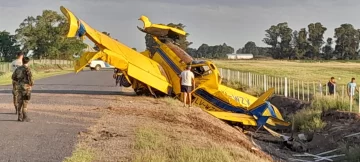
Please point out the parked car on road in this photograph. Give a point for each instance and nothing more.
(99, 64)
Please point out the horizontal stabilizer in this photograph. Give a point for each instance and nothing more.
(235, 117)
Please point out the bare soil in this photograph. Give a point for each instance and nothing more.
(333, 136)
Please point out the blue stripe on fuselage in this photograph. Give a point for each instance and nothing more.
(169, 61)
(81, 31)
(218, 102)
(261, 109)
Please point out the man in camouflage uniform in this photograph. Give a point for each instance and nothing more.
(24, 80)
(15, 64)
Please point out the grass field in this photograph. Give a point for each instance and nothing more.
(298, 70)
(39, 72)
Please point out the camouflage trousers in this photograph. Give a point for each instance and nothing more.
(15, 95)
(24, 93)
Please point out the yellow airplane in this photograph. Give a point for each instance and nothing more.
(157, 73)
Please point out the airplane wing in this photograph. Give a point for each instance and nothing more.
(117, 54)
(235, 117)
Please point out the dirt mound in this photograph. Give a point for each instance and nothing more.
(287, 106)
(182, 129)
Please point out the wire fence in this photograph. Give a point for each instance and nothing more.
(301, 90)
(6, 66)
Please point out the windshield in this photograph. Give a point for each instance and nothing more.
(201, 70)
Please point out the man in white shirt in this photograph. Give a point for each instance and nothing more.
(15, 64)
(187, 81)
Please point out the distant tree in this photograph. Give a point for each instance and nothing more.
(239, 51)
(327, 49)
(8, 46)
(217, 51)
(300, 43)
(44, 34)
(250, 47)
(279, 37)
(347, 41)
(192, 52)
(316, 36)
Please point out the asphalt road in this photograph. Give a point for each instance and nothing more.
(60, 107)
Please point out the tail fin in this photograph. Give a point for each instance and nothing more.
(262, 99)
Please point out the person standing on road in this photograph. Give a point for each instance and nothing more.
(331, 84)
(14, 65)
(22, 75)
(351, 87)
(187, 83)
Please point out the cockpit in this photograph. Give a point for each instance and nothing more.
(201, 69)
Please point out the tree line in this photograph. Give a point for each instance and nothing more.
(44, 36)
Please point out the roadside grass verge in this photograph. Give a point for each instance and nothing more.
(152, 145)
(81, 154)
(39, 72)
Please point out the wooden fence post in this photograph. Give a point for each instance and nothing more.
(298, 90)
(294, 89)
(265, 83)
(249, 79)
(238, 73)
(302, 86)
(286, 87)
(308, 91)
(342, 93)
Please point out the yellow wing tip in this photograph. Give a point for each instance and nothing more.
(73, 22)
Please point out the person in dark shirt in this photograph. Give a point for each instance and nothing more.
(331, 85)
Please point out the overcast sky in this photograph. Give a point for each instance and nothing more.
(208, 21)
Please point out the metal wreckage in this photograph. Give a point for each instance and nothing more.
(156, 72)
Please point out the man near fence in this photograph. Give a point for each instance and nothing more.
(331, 85)
(351, 87)
(24, 79)
(14, 65)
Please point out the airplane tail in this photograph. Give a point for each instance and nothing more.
(266, 112)
(262, 110)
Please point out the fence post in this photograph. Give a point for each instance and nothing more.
(265, 83)
(314, 88)
(342, 95)
(294, 89)
(276, 86)
(286, 87)
(303, 93)
(228, 75)
(359, 104)
(298, 90)
(238, 76)
(308, 91)
(221, 74)
(249, 79)
(281, 86)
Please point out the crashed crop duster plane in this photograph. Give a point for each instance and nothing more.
(156, 72)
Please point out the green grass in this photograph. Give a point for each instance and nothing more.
(309, 119)
(155, 146)
(39, 72)
(81, 155)
(297, 70)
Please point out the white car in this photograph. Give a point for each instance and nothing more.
(98, 64)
